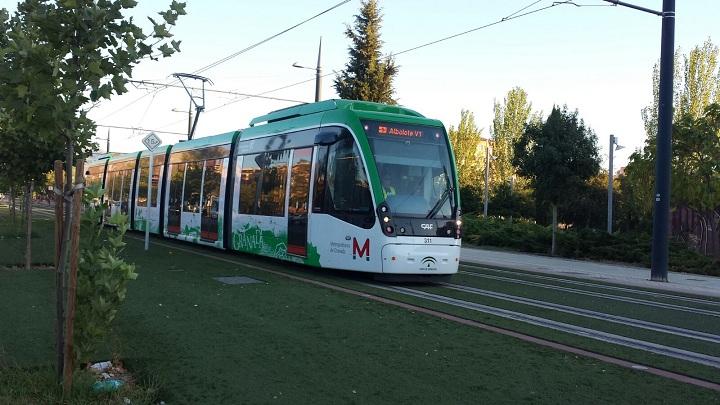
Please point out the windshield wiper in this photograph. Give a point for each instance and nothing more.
(447, 193)
(440, 203)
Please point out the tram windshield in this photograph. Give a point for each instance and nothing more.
(414, 166)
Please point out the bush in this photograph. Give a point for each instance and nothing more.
(102, 275)
(587, 243)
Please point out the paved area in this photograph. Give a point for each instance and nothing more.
(612, 273)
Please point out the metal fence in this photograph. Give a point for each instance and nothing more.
(702, 232)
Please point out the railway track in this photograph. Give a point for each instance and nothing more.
(653, 294)
(637, 323)
(672, 352)
(613, 297)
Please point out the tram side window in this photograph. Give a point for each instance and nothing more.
(177, 175)
(263, 183)
(345, 188)
(117, 185)
(249, 179)
(142, 185)
(193, 180)
(211, 187)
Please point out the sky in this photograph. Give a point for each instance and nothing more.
(597, 59)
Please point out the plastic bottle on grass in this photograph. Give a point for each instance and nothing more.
(107, 386)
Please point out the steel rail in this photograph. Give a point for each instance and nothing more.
(697, 311)
(681, 354)
(673, 330)
(594, 285)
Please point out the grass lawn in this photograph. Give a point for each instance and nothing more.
(284, 341)
(12, 239)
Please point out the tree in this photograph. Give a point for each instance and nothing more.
(558, 157)
(696, 85)
(696, 164)
(366, 77)
(466, 142)
(84, 51)
(508, 125)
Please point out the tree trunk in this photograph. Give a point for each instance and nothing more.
(553, 249)
(72, 276)
(12, 205)
(28, 233)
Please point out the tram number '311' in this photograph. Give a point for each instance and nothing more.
(428, 240)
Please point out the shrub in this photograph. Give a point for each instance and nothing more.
(586, 243)
(102, 274)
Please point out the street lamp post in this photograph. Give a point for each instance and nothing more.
(488, 151)
(613, 147)
(318, 72)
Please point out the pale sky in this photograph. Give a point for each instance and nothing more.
(595, 59)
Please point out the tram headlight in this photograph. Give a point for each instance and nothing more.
(386, 219)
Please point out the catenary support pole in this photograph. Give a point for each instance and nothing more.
(318, 74)
(611, 152)
(487, 179)
(661, 213)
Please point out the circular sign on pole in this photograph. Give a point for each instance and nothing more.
(151, 141)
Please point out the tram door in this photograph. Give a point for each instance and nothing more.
(298, 202)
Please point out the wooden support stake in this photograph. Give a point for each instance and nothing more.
(72, 275)
(28, 228)
(59, 284)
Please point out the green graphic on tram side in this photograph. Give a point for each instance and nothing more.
(313, 257)
(141, 221)
(252, 239)
(193, 232)
(220, 228)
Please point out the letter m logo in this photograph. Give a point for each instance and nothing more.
(361, 251)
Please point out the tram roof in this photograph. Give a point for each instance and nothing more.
(335, 104)
(213, 140)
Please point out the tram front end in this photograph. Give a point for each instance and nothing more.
(418, 209)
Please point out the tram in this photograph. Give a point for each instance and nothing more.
(338, 184)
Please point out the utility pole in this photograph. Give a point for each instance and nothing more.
(107, 145)
(611, 151)
(318, 72)
(487, 178)
(661, 211)
(318, 75)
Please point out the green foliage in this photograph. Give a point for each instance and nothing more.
(466, 142)
(56, 58)
(558, 156)
(509, 200)
(586, 243)
(508, 125)
(366, 76)
(696, 161)
(102, 274)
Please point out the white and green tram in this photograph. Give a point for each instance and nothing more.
(337, 184)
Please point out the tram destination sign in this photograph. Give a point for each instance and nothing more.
(393, 130)
(151, 141)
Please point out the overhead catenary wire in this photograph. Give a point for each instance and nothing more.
(233, 55)
(142, 129)
(235, 93)
(507, 18)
